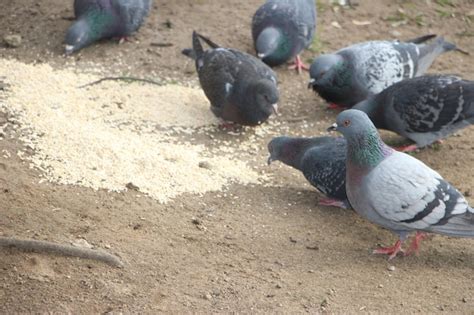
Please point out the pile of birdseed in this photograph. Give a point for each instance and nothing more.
(108, 135)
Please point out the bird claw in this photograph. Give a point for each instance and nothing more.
(415, 245)
(392, 250)
(336, 107)
(407, 148)
(298, 65)
(332, 203)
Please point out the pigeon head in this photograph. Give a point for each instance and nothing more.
(78, 36)
(87, 29)
(291, 150)
(273, 46)
(323, 69)
(282, 149)
(263, 96)
(364, 145)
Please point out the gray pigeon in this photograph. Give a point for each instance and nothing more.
(423, 109)
(352, 74)
(281, 29)
(241, 88)
(322, 161)
(397, 191)
(99, 19)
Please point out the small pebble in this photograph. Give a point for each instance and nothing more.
(205, 164)
(391, 268)
(207, 296)
(12, 41)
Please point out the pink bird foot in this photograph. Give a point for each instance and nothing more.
(332, 203)
(407, 148)
(392, 251)
(336, 107)
(415, 245)
(299, 65)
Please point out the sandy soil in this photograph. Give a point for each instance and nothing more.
(251, 248)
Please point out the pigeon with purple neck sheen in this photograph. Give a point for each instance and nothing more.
(281, 29)
(424, 109)
(322, 160)
(352, 74)
(99, 19)
(241, 88)
(397, 191)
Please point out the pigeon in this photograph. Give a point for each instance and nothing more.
(423, 109)
(350, 75)
(241, 88)
(397, 191)
(98, 19)
(322, 161)
(281, 29)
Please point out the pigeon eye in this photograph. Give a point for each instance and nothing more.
(347, 123)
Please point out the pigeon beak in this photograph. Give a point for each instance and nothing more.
(332, 128)
(311, 83)
(275, 109)
(261, 55)
(68, 49)
(270, 160)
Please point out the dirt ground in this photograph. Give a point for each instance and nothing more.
(249, 249)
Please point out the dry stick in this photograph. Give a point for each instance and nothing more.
(122, 79)
(296, 119)
(59, 249)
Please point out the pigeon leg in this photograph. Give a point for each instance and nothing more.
(336, 107)
(413, 147)
(407, 148)
(415, 245)
(332, 202)
(299, 65)
(392, 250)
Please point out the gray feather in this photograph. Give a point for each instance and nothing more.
(423, 109)
(352, 74)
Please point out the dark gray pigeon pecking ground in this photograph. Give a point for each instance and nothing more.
(281, 29)
(241, 88)
(322, 160)
(424, 109)
(352, 74)
(99, 19)
(397, 191)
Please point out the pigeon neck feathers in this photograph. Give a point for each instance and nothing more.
(365, 148)
(367, 151)
(273, 46)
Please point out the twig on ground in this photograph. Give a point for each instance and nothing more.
(130, 79)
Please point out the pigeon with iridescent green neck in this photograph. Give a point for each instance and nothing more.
(352, 74)
(322, 160)
(99, 19)
(281, 29)
(397, 191)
